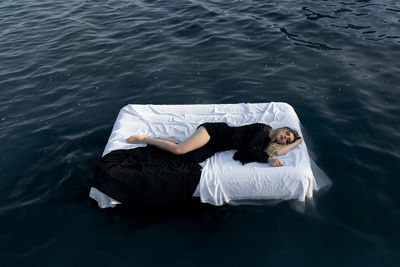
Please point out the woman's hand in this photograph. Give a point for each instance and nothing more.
(137, 139)
(299, 141)
(275, 162)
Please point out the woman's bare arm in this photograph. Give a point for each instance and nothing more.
(286, 148)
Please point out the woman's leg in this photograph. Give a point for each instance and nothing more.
(170, 139)
(198, 139)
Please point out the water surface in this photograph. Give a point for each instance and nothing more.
(67, 67)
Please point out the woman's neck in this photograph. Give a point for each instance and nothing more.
(271, 134)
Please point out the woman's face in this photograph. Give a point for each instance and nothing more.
(285, 137)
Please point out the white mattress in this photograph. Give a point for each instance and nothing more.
(223, 179)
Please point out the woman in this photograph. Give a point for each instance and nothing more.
(167, 173)
(254, 142)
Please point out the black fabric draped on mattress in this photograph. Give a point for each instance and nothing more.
(146, 176)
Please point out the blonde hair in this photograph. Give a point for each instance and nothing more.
(274, 145)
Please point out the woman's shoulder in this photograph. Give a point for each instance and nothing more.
(257, 124)
(261, 126)
(258, 131)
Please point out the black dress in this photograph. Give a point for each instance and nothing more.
(150, 176)
(146, 176)
(250, 141)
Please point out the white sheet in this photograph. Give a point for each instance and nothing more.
(223, 180)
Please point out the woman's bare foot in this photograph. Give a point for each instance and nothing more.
(137, 139)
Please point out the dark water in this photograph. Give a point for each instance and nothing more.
(67, 67)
